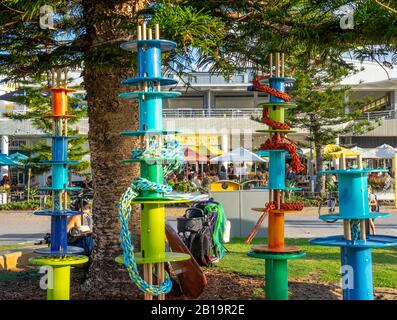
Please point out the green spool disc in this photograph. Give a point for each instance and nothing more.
(277, 256)
(68, 260)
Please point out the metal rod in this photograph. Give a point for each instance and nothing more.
(271, 64)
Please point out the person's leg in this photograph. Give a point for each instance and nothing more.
(372, 226)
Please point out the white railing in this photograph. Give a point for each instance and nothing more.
(215, 113)
(386, 114)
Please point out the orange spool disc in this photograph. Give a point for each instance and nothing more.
(265, 248)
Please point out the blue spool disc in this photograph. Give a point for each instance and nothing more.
(165, 45)
(59, 163)
(155, 94)
(141, 80)
(373, 241)
(148, 132)
(352, 171)
(60, 189)
(57, 213)
(69, 250)
(60, 137)
(371, 215)
(280, 188)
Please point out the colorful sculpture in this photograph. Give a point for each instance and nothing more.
(158, 158)
(59, 257)
(276, 253)
(355, 244)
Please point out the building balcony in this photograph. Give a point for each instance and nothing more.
(246, 113)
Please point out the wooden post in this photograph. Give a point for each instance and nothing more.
(139, 33)
(362, 221)
(157, 31)
(160, 278)
(29, 176)
(282, 64)
(395, 178)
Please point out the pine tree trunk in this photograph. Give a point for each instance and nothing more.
(319, 167)
(108, 115)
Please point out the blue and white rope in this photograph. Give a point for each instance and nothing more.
(171, 150)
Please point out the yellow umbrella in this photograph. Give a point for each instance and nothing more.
(335, 151)
(332, 151)
(209, 151)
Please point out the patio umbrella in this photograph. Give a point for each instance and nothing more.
(10, 96)
(265, 153)
(18, 157)
(238, 155)
(335, 151)
(365, 153)
(7, 161)
(384, 151)
(193, 156)
(208, 150)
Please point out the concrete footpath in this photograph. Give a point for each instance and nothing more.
(21, 227)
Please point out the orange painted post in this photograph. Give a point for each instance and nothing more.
(276, 253)
(276, 229)
(60, 101)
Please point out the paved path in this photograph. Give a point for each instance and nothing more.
(22, 227)
(309, 226)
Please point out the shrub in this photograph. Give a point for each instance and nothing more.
(21, 205)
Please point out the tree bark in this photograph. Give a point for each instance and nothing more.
(319, 166)
(108, 115)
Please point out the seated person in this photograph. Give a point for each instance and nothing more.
(82, 222)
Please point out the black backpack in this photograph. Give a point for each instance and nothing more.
(195, 231)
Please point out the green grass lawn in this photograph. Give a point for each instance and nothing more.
(321, 263)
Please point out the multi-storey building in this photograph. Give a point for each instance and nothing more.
(217, 114)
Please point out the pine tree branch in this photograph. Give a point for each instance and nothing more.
(385, 6)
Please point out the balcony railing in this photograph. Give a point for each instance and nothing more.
(213, 113)
(385, 114)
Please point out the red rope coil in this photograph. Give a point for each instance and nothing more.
(287, 206)
(273, 92)
(278, 141)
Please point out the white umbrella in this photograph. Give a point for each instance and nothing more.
(365, 153)
(384, 151)
(238, 155)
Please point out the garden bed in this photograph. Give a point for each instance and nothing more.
(237, 276)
